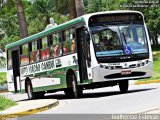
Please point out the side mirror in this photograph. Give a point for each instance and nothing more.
(149, 33)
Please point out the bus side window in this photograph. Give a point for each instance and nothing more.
(9, 59)
(56, 47)
(69, 43)
(73, 40)
(24, 57)
(34, 52)
(45, 53)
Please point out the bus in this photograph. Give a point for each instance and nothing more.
(95, 50)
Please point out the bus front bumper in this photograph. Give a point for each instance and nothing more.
(101, 74)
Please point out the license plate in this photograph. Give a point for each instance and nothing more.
(126, 72)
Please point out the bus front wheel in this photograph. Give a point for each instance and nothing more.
(123, 86)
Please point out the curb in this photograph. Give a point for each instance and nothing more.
(147, 82)
(29, 112)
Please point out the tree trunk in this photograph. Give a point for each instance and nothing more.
(79, 7)
(21, 19)
(72, 9)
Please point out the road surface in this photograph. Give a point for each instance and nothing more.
(102, 104)
(109, 101)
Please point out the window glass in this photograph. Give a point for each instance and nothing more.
(45, 54)
(34, 46)
(9, 60)
(24, 55)
(69, 43)
(34, 54)
(135, 38)
(44, 42)
(56, 48)
(56, 38)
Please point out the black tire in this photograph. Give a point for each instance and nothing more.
(33, 95)
(29, 88)
(68, 92)
(74, 91)
(123, 86)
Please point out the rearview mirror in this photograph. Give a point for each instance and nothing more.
(149, 33)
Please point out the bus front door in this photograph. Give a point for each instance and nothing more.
(81, 55)
(16, 70)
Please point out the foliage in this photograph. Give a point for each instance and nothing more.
(42, 10)
(2, 62)
(3, 78)
(37, 17)
(102, 5)
(6, 103)
(7, 40)
(9, 20)
(66, 7)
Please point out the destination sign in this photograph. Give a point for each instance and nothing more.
(108, 18)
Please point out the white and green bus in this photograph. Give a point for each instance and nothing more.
(95, 50)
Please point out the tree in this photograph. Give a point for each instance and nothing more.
(43, 9)
(153, 22)
(79, 7)
(39, 14)
(21, 19)
(20, 13)
(66, 7)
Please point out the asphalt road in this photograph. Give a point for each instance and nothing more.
(109, 101)
(101, 104)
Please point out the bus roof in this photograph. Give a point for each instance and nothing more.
(64, 25)
(113, 12)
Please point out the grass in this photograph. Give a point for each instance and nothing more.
(156, 69)
(6, 103)
(3, 78)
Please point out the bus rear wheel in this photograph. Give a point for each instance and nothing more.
(123, 86)
(30, 90)
(31, 94)
(74, 91)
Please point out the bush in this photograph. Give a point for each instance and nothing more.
(3, 78)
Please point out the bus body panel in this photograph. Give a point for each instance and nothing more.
(44, 78)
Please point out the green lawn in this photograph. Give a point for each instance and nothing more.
(156, 67)
(6, 103)
(3, 78)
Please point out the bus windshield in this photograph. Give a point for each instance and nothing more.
(116, 40)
